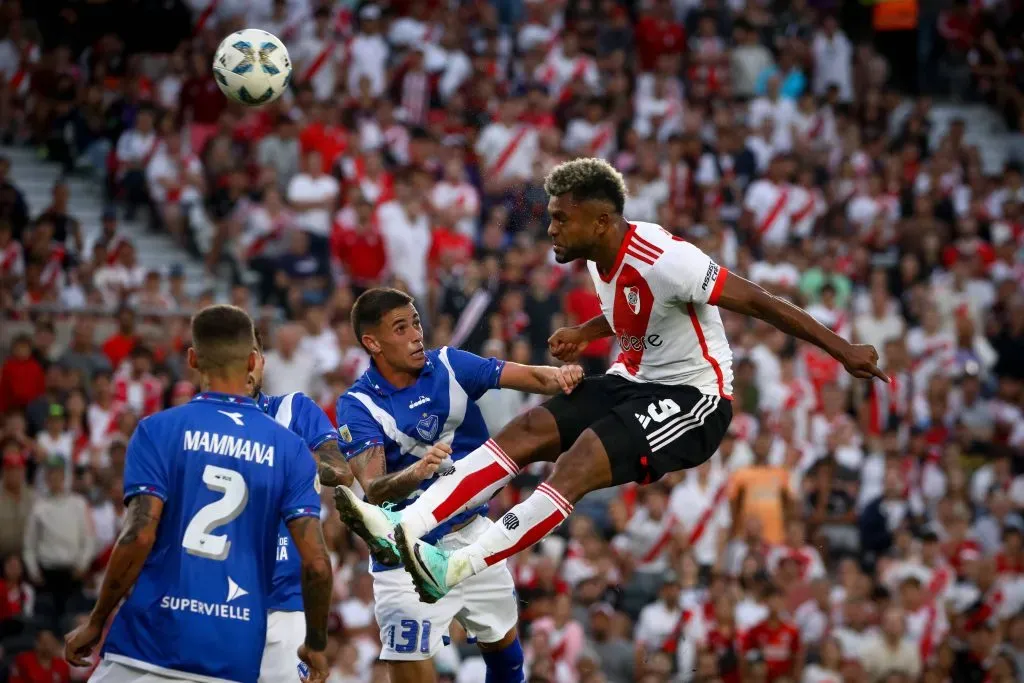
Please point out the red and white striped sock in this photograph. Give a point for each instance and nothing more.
(521, 527)
(476, 479)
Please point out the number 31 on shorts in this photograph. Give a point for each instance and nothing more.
(408, 636)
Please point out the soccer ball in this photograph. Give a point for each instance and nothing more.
(252, 67)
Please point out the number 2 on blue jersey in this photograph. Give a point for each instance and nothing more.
(197, 539)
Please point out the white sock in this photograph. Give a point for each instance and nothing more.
(475, 480)
(521, 527)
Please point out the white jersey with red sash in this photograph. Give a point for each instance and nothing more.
(890, 403)
(679, 178)
(319, 58)
(768, 202)
(508, 151)
(807, 559)
(806, 206)
(376, 190)
(702, 510)
(591, 139)
(144, 395)
(20, 82)
(563, 75)
(12, 260)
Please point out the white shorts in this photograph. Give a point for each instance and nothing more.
(114, 672)
(484, 604)
(286, 631)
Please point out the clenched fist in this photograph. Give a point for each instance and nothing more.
(432, 459)
(566, 344)
(564, 379)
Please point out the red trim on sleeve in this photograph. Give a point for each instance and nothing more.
(716, 291)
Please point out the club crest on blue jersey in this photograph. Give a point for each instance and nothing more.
(427, 427)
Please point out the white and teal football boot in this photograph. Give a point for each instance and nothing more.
(434, 571)
(375, 525)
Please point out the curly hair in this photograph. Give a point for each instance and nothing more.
(587, 178)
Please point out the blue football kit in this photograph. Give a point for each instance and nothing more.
(228, 475)
(439, 406)
(302, 416)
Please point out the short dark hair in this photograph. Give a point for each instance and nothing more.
(588, 178)
(373, 304)
(222, 337)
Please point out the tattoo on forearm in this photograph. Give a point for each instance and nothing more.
(334, 469)
(317, 578)
(129, 554)
(379, 487)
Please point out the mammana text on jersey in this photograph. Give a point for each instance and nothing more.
(232, 446)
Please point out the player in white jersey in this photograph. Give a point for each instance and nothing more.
(663, 406)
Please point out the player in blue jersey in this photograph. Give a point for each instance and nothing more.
(402, 424)
(286, 625)
(206, 485)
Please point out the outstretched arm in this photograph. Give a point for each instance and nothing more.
(541, 379)
(369, 468)
(743, 296)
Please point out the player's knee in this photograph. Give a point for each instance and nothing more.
(581, 469)
(530, 437)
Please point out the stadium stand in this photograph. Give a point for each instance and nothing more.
(858, 158)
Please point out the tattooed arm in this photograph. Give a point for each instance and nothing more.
(129, 554)
(333, 468)
(317, 578)
(369, 467)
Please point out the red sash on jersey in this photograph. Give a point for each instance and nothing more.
(671, 643)
(819, 125)
(774, 213)
(705, 517)
(318, 63)
(600, 139)
(577, 75)
(499, 164)
(804, 211)
(205, 17)
(22, 73)
(11, 256)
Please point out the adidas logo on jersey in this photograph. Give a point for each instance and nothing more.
(632, 299)
(644, 420)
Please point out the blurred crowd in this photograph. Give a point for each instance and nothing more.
(846, 531)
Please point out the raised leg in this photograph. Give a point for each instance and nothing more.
(583, 468)
(531, 437)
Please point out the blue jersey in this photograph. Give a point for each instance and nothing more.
(227, 474)
(300, 414)
(440, 406)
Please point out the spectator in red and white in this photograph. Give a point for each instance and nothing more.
(766, 216)
(119, 280)
(776, 639)
(17, 597)
(592, 135)
(795, 546)
(314, 195)
(109, 236)
(833, 60)
(135, 148)
(264, 238)
(405, 227)
(700, 504)
(507, 149)
(136, 387)
(456, 196)
(662, 625)
(368, 54)
(22, 378)
(176, 183)
(319, 57)
(151, 297)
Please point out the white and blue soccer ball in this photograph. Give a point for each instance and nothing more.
(252, 67)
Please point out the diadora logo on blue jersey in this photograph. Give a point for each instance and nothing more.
(427, 427)
(422, 400)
